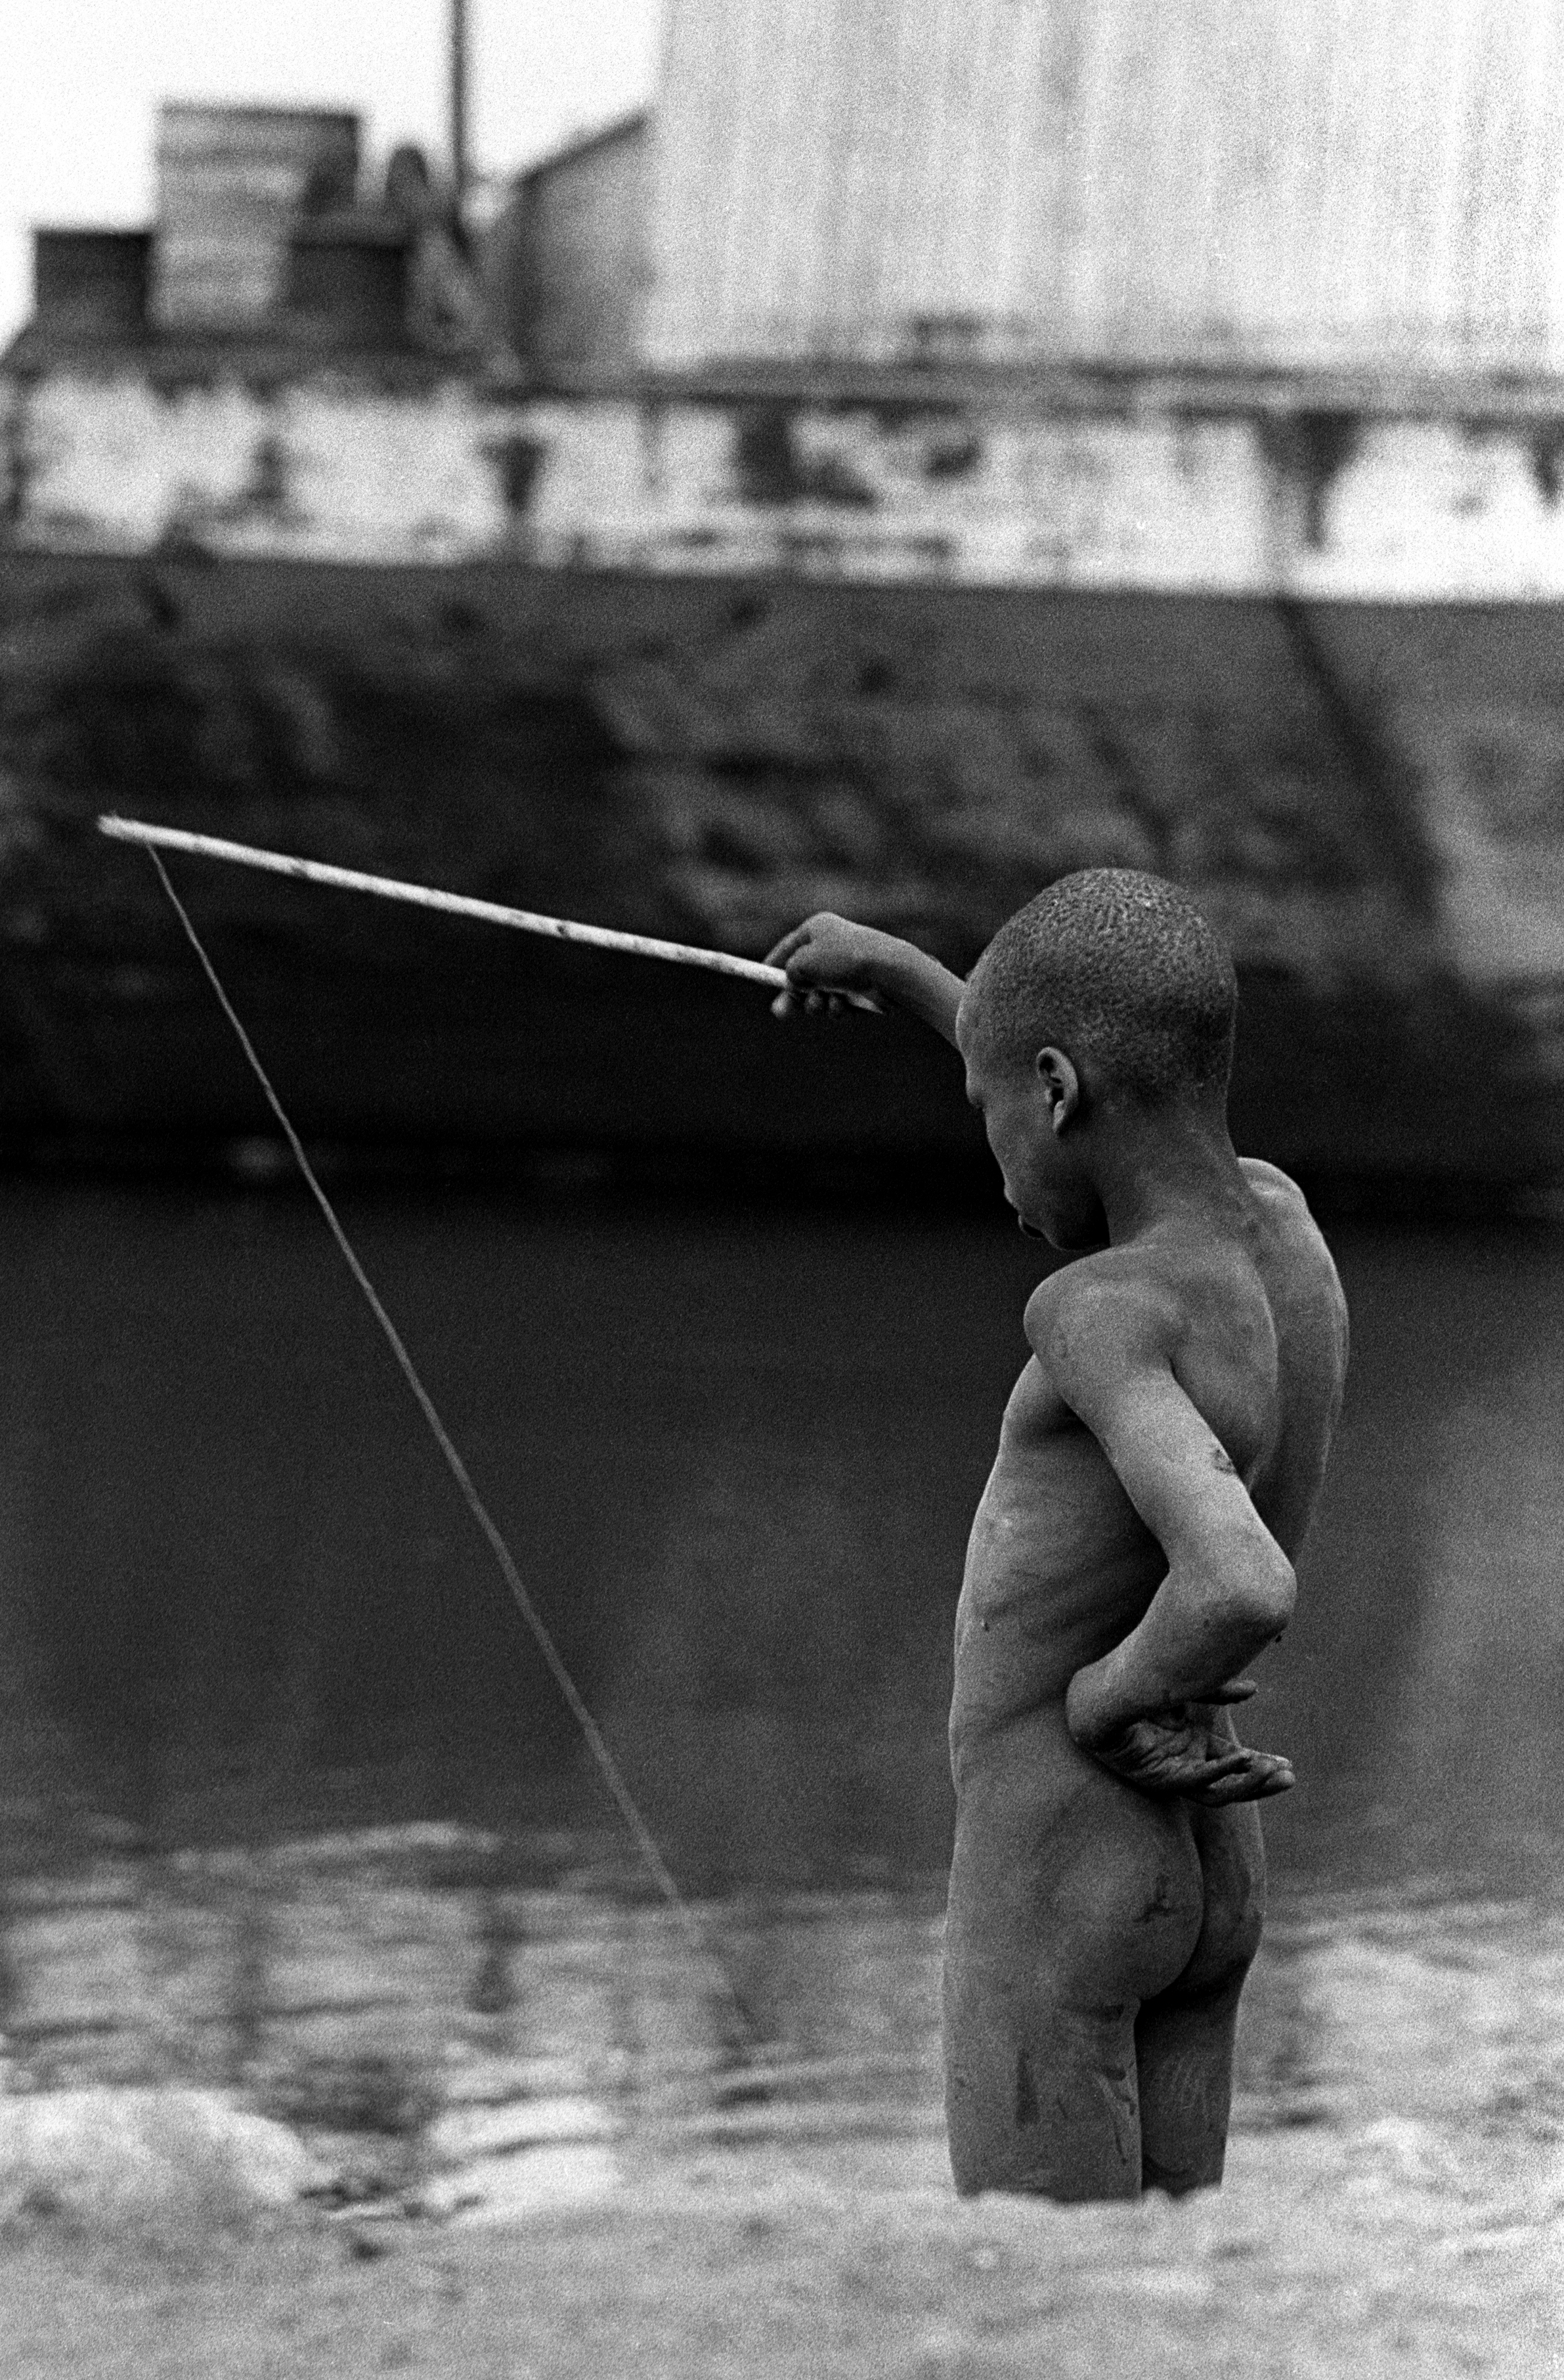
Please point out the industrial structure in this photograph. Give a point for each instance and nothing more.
(933, 445)
(1295, 185)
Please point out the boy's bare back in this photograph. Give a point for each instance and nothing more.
(1202, 1364)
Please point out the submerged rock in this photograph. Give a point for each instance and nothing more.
(172, 2164)
(513, 2188)
(523, 2156)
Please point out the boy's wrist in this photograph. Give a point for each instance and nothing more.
(894, 961)
(909, 979)
(1100, 1702)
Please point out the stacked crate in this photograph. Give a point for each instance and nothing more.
(232, 184)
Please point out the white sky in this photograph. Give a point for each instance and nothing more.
(80, 80)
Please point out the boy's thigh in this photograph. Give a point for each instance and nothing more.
(1045, 1966)
(1183, 2073)
(1040, 2091)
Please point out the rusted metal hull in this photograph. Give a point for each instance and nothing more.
(1364, 797)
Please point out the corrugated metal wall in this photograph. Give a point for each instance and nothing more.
(1333, 181)
(579, 241)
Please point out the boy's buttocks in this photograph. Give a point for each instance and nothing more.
(1060, 1866)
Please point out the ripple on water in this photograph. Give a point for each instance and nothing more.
(398, 1993)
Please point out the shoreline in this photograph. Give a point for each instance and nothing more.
(1322, 2257)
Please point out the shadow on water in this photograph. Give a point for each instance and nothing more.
(289, 1793)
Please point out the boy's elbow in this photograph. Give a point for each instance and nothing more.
(1269, 1592)
(1251, 1586)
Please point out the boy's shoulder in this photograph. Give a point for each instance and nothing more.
(1140, 1298)
(1114, 1300)
(1271, 1185)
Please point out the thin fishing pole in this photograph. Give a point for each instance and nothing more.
(657, 1867)
(458, 904)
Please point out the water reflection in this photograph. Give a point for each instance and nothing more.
(244, 1617)
(367, 1986)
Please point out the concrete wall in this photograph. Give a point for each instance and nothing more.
(313, 468)
(1299, 181)
(1304, 660)
(1216, 492)
(1365, 797)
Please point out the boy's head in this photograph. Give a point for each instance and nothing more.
(1107, 995)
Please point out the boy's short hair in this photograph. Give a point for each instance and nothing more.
(1122, 971)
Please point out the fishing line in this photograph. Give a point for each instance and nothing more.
(656, 1866)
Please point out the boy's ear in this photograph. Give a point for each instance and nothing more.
(1062, 1085)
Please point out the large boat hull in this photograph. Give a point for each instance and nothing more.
(1365, 795)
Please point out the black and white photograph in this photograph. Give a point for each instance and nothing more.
(782, 1189)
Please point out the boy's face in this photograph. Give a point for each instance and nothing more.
(1052, 1196)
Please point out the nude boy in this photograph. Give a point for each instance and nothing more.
(1159, 1462)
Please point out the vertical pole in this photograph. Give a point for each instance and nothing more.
(459, 102)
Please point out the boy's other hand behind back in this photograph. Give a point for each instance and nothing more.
(1185, 1753)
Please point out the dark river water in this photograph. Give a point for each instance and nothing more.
(278, 1755)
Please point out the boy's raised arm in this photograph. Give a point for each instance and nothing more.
(1144, 1708)
(828, 954)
